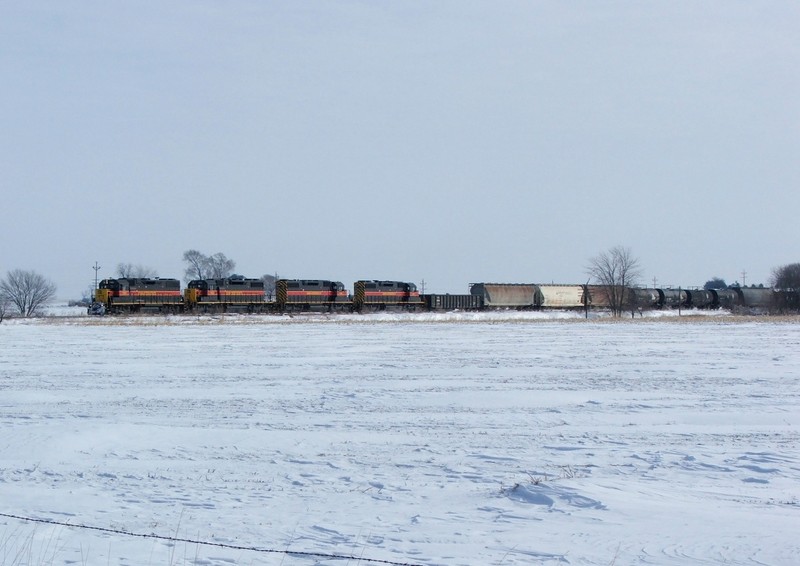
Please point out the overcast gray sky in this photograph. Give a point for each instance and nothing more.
(453, 142)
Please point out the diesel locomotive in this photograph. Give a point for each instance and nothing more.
(240, 294)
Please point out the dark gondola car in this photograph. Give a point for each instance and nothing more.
(436, 302)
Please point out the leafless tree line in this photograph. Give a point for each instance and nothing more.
(201, 266)
(786, 277)
(218, 266)
(130, 271)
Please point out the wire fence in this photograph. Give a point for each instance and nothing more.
(262, 550)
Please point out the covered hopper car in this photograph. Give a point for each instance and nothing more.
(561, 296)
(506, 295)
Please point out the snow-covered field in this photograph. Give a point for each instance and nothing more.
(461, 440)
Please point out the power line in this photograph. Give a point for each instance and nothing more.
(206, 543)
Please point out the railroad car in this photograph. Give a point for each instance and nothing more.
(232, 294)
(648, 298)
(129, 295)
(310, 294)
(726, 298)
(755, 299)
(561, 296)
(630, 298)
(700, 298)
(598, 296)
(447, 302)
(675, 298)
(506, 295)
(382, 295)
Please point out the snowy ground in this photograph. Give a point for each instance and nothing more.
(457, 440)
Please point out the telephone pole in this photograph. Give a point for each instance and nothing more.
(96, 268)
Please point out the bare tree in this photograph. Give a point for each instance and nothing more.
(616, 271)
(128, 271)
(786, 276)
(269, 285)
(27, 291)
(201, 266)
(196, 265)
(3, 306)
(219, 266)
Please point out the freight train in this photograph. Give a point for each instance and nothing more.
(240, 294)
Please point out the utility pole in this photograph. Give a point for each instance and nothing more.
(96, 268)
(586, 299)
